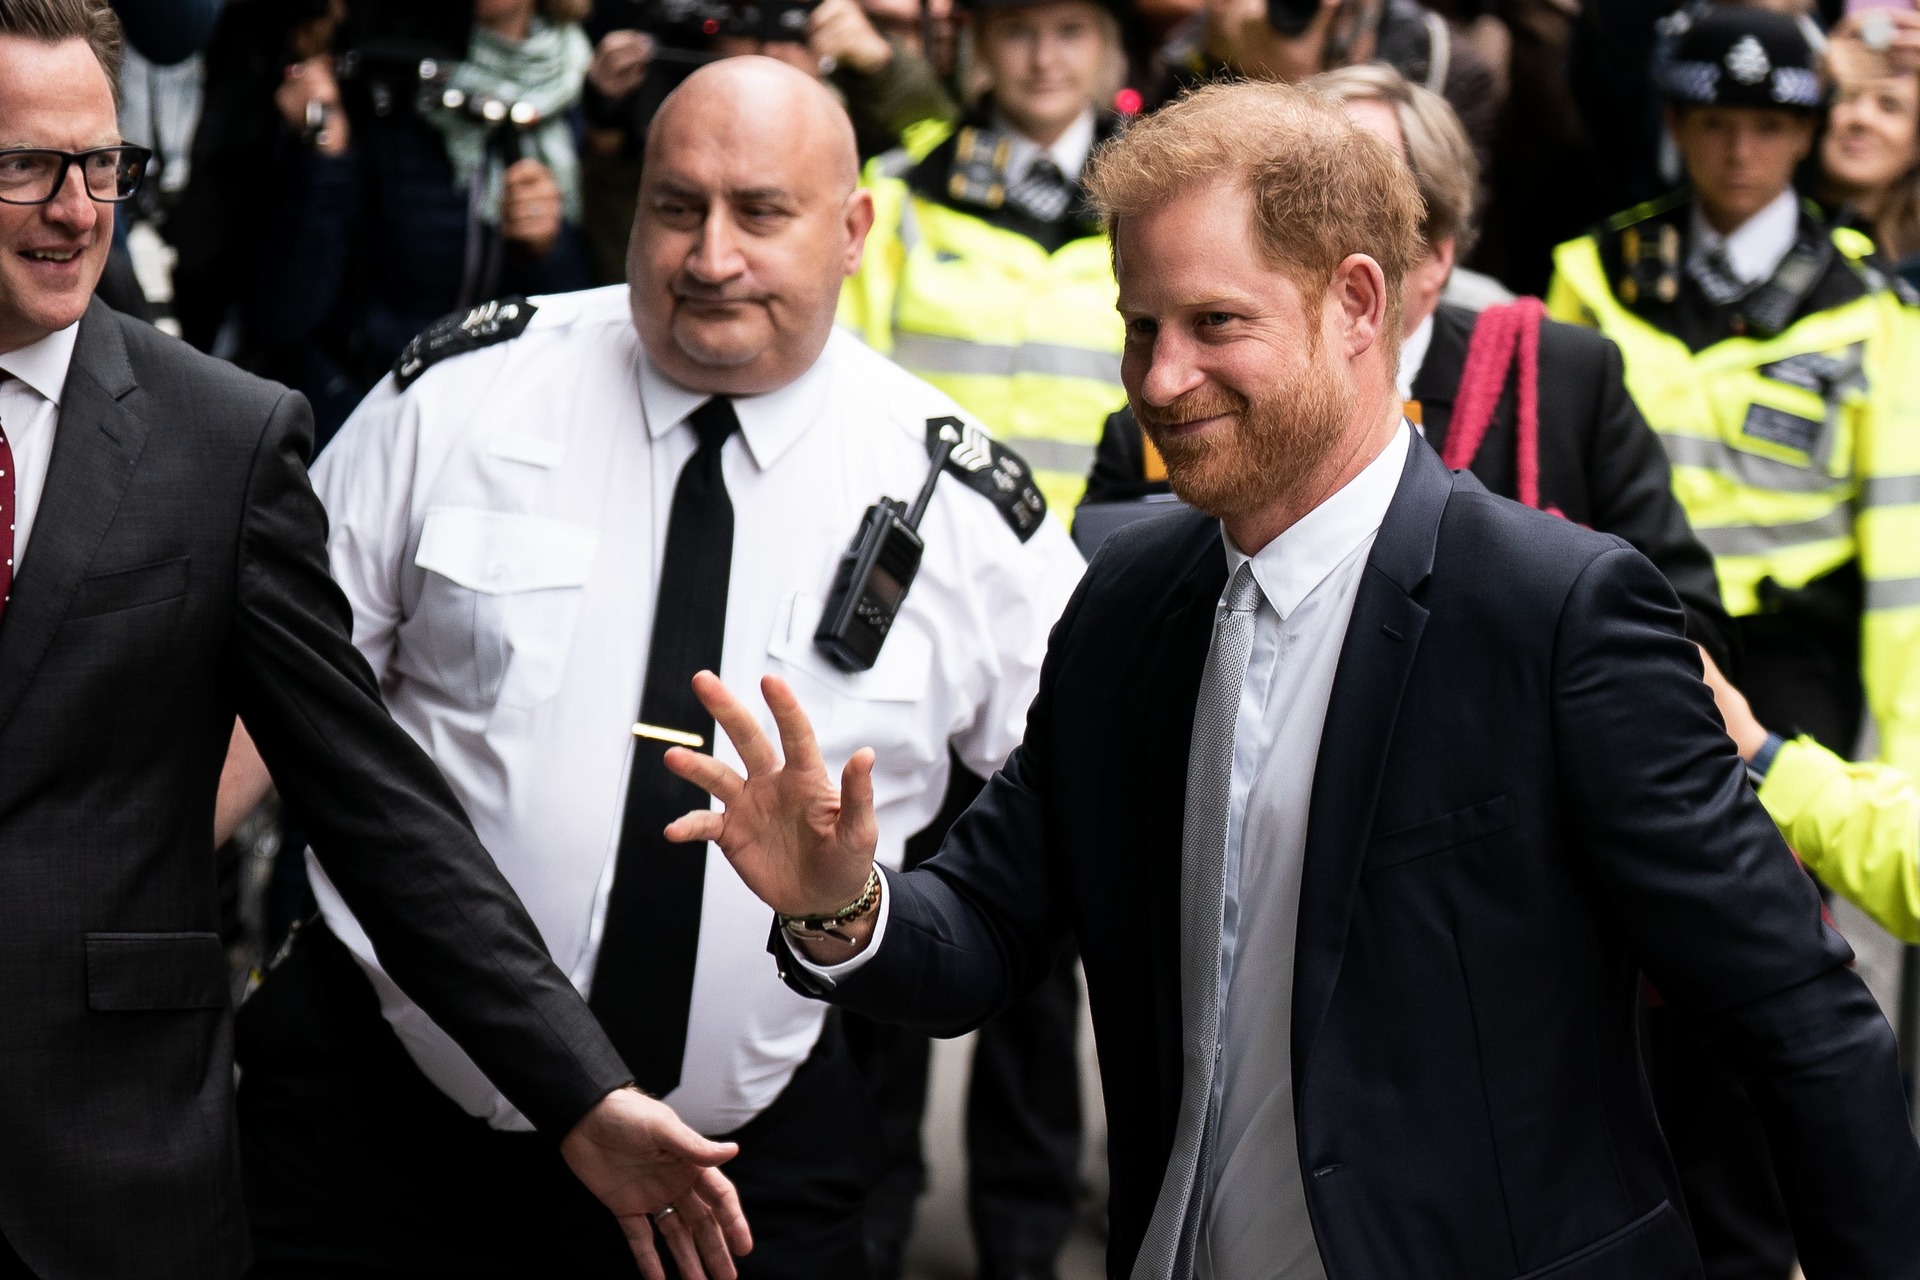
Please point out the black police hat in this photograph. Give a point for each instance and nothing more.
(1738, 55)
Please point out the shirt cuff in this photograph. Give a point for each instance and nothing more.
(831, 974)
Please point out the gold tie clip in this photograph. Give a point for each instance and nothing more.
(644, 730)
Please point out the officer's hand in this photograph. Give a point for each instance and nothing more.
(530, 206)
(1239, 34)
(309, 101)
(620, 63)
(655, 1173)
(801, 844)
(841, 30)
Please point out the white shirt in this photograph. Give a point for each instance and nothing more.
(30, 414)
(1255, 1224)
(1069, 151)
(1757, 246)
(499, 528)
(1413, 354)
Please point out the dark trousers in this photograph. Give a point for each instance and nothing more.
(1802, 675)
(355, 1165)
(1023, 1131)
(11, 1268)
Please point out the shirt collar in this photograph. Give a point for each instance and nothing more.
(43, 365)
(769, 423)
(1757, 246)
(1413, 354)
(1069, 151)
(1293, 564)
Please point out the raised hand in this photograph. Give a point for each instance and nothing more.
(800, 843)
(655, 1173)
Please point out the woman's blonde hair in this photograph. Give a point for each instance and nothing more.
(1897, 227)
(1437, 149)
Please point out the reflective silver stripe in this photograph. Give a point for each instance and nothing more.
(1052, 455)
(1758, 539)
(1750, 469)
(1890, 491)
(1893, 593)
(924, 352)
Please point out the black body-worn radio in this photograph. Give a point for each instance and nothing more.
(875, 571)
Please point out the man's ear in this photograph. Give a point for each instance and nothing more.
(1359, 294)
(859, 216)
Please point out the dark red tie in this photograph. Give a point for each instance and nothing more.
(6, 511)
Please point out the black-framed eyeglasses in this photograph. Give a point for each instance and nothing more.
(32, 175)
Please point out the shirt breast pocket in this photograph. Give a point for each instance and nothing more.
(879, 708)
(497, 609)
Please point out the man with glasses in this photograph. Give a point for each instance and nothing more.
(163, 566)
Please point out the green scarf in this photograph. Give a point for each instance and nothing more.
(546, 71)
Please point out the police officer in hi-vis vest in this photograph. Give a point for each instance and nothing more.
(986, 275)
(1773, 359)
(984, 272)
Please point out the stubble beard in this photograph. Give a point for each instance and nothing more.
(1275, 447)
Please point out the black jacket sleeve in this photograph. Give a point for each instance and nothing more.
(1631, 487)
(1725, 924)
(446, 925)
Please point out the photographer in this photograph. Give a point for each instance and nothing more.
(404, 200)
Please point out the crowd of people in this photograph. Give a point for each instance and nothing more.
(552, 371)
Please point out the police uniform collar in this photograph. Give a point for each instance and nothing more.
(770, 423)
(1757, 246)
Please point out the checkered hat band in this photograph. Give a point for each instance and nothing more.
(1692, 81)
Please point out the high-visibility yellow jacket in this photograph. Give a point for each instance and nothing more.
(1856, 826)
(1014, 319)
(1795, 452)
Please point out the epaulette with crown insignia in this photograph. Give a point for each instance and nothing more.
(461, 332)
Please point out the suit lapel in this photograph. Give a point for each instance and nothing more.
(1381, 643)
(95, 447)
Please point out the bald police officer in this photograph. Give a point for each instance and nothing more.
(552, 516)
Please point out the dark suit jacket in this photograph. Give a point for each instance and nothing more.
(1523, 800)
(1600, 463)
(177, 573)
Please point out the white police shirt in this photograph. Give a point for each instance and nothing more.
(499, 526)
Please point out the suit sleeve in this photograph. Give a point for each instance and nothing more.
(383, 823)
(1632, 492)
(1724, 923)
(979, 925)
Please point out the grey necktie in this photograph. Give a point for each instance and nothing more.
(1715, 275)
(1044, 192)
(1168, 1250)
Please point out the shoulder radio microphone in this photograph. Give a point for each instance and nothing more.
(876, 569)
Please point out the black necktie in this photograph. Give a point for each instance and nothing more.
(643, 980)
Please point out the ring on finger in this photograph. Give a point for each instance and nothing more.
(663, 1215)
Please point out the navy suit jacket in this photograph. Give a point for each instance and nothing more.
(1524, 800)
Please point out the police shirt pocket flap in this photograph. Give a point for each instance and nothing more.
(518, 446)
(131, 972)
(499, 552)
(118, 589)
(899, 675)
(1437, 835)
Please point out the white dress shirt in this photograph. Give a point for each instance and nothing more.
(1757, 246)
(30, 414)
(1255, 1224)
(1413, 354)
(1069, 151)
(499, 528)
